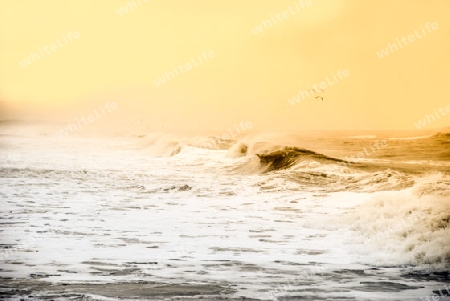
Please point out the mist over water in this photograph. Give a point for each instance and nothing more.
(262, 216)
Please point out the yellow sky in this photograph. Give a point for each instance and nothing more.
(251, 77)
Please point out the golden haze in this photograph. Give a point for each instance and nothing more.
(251, 77)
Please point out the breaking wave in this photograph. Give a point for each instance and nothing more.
(288, 156)
(162, 144)
(410, 226)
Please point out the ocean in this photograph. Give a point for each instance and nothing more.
(318, 215)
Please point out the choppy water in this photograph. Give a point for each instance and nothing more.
(159, 209)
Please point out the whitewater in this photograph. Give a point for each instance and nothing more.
(156, 216)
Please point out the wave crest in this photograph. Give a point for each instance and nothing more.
(288, 156)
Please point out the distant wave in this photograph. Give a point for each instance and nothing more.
(442, 138)
(238, 150)
(442, 135)
(363, 137)
(163, 144)
(288, 156)
(411, 138)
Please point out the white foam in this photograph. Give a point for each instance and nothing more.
(410, 226)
